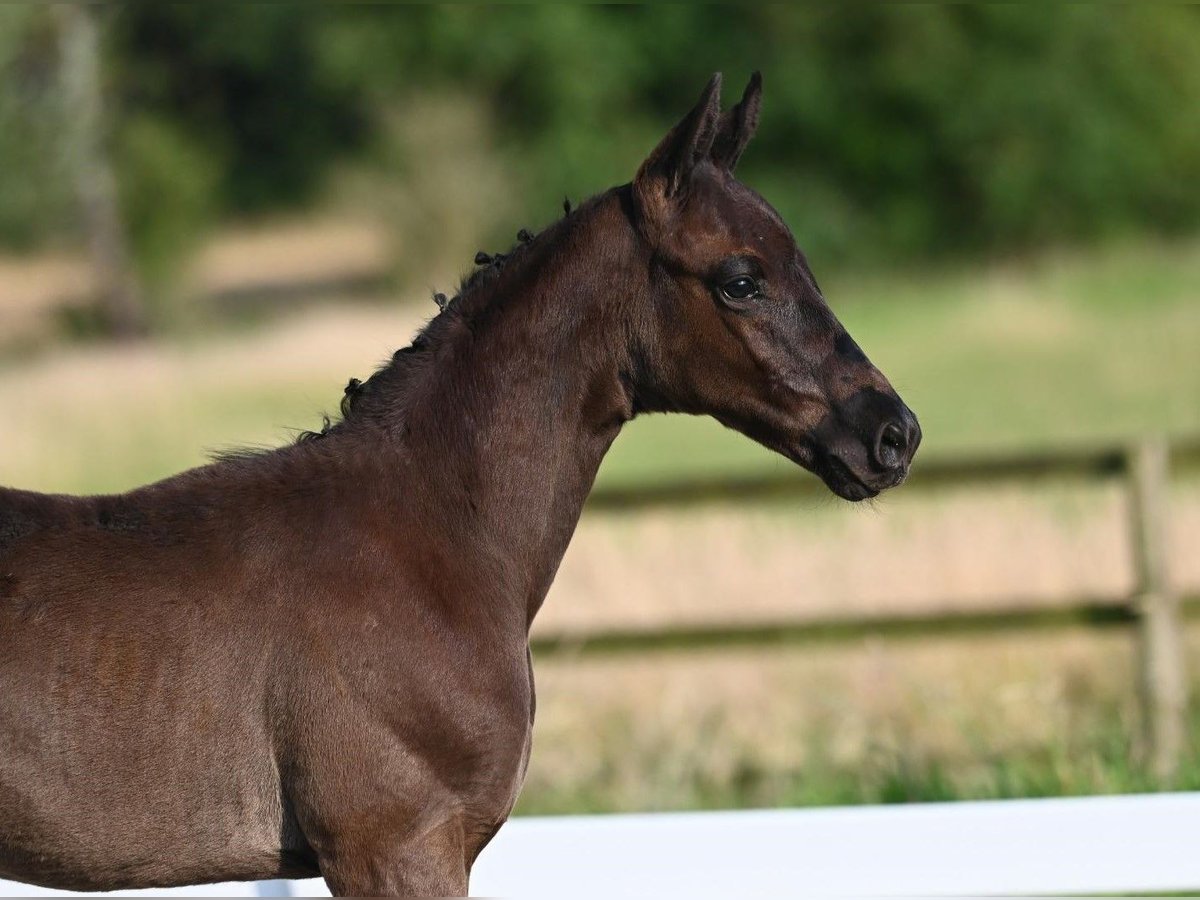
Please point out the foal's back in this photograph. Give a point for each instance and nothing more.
(147, 644)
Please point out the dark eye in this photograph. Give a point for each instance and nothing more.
(741, 288)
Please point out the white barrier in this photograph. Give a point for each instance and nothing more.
(1084, 845)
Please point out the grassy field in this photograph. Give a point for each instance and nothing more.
(873, 721)
(1068, 348)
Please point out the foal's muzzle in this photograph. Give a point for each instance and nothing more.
(867, 445)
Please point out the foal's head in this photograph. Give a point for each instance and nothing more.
(742, 330)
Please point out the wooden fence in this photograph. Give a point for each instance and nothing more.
(1153, 608)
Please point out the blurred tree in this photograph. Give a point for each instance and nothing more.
(893, 132)
(34, 190)
(84, 133)
(246, 83)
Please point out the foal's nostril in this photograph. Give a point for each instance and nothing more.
(891, 446)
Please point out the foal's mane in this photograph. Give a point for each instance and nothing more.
(401, 373)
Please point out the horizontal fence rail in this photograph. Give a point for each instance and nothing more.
(1099, 612)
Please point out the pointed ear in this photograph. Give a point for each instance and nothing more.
(666, 172)
(738, 126)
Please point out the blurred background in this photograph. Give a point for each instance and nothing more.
(212, 215)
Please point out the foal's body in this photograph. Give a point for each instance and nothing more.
(315, 661)
(345, 618)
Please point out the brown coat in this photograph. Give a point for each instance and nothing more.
(315, 660)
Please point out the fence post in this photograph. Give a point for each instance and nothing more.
(1163, 683)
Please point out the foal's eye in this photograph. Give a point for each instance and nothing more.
(742, 288)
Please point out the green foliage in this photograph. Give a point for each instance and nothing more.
(891, 131)
(34, 191)
(245, 83)
(168, 191)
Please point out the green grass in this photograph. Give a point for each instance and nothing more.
(636, 776)
(880, 720)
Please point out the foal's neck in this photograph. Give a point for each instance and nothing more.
(526, 396)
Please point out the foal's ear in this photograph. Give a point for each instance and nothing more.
(738, 125)
(667, 170)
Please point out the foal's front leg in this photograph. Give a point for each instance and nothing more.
(377, 858)
(388, 815)
(379, 823)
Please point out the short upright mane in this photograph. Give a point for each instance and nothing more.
(460, 311)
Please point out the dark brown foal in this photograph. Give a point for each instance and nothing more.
(315, 660)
